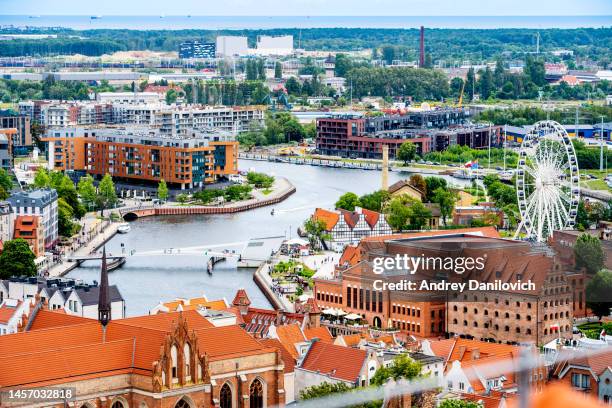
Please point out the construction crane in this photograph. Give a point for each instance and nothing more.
(461, 95)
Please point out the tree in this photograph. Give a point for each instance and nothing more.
(87, 191)
(406, 152)
(486, 83)
(316, 230)
(42, 179)
(3, 193)
(5, 181)
(182, 198)
(446, 200)
(598, 293)
(597, 212)
(348, 201)
(433, 183)
(107, 192)
(418, 214)
(417, 181)
(402, 367)
(323, 389)
(162, 190)
(260, 180)
(470, 83)
(67, 191)
(278, 70)
(293, 87)
(375, 201)
(65, 214)
(589, 253)
(17, 259)
(397, 214)
(171, 96)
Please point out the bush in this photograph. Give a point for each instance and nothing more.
(260, 180)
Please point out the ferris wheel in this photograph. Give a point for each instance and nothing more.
(547, 181)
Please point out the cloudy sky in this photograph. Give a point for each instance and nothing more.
(310, 7)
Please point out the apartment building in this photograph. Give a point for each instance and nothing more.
(23, 136)
(144, 153)
(7, 221)
(41, 203)
(356, 136)
(30, 228)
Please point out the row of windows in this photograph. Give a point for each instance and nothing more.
(496, 313)
(495, 327)
(364, 299)
(406, 311)
(326, 297)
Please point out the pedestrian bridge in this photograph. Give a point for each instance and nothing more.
(251, 253)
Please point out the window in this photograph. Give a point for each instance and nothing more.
(187, 358)
(118, 404)
(580, 380)
(182, 404)
(461, 386)
(225, 396)
(256, 394)
(174, 361)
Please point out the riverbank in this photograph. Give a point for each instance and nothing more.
(264, 281)
(107, 231)
(280, 191)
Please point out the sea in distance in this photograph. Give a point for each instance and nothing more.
(262, 22)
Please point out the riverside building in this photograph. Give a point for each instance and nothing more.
(356, 136)
(142, 153)
(508, 316)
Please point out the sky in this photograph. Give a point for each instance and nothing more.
(310, 7)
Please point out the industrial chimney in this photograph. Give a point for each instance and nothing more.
(422, 48)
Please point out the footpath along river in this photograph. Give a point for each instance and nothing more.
(144, 281)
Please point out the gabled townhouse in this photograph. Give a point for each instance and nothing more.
(471, 366)
(12, 314)
(349, 227)
(589, 374)
(84, 302)
(325, 362)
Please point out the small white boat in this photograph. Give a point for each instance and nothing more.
(124, 228)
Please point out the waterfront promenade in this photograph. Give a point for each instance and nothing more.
(281, 189)
(98, 237)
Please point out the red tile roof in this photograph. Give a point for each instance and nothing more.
(288, 359)
(339, 362)
(45, 319)
(241, 298)
(321, 333)
(289, 335)
(330, 218)
(7, 312)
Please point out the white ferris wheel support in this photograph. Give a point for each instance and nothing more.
(547, 181)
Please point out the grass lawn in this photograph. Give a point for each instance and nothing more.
(596, 185)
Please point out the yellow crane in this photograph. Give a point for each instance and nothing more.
(461, 94)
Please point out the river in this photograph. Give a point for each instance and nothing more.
(144, 282)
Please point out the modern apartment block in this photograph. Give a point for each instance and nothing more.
(197, 49)
(170, 119)
(41, 203)
(23, 136)
(186, 160)
(362, 137)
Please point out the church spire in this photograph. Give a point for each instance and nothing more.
(104, 304)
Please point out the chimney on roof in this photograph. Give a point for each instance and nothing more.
(385, 168)
(104, 304)
(475, 354)
(462, 350)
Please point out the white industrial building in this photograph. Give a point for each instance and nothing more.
(229, 46)
(269, 45)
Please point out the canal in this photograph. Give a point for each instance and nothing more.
(145, 281)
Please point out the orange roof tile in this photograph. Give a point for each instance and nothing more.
(45, 319)
(164, 321)
(241, 298)
(102, 359)
(7, 312)
(321, 333)
(350, 256)
(330, 218)
(289, 335)
(195, 304)
(227, 340)
(288, 359)
(339, 362)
